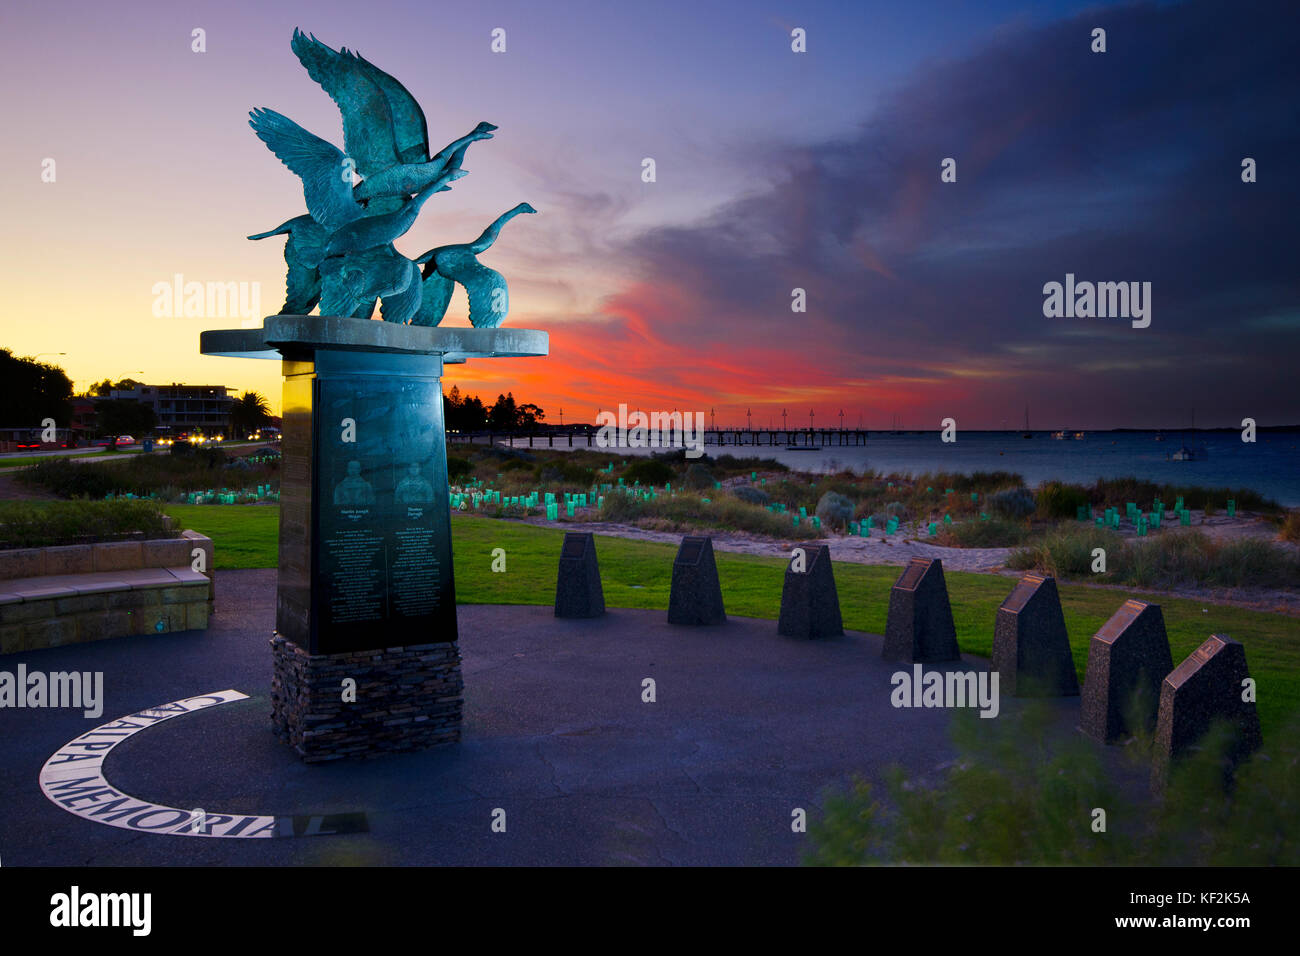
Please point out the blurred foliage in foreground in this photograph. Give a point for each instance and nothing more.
(1020, 794)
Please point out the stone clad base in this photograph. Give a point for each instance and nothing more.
(407, 698)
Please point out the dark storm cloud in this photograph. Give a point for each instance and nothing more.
(1117, 166)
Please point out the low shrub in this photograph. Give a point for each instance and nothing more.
(44, 524)
(1171, 559)
(834, 509)
(649, 471)
(698, 478)
(567, 473)
(752, 495)
(1058, 500)
(143, 475)
(1012, 503)
(750, 463)
(1015, 795)
(1065, 552)
(994, 533)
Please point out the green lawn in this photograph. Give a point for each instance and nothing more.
(637, 574)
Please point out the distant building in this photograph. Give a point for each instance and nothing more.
(183, 408)
(83, 415)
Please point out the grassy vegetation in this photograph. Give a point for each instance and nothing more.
(994, 533)
(1114, 492)
(167, 477)
(689, 511)
(1013, 798)
(1175, 558)
(43, 524)
(638, 574)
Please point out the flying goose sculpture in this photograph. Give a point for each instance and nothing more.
(324, 170)
(447, 265)
(370, 231)
(352, 283)
(384, 129)
(303, 252)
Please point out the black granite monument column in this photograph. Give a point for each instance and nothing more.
(365, 651)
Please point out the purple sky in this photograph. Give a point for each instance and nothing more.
(776, 170)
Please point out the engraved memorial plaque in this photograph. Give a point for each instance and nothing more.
(578, 592)
(1205, 689)
(696, 595)
(1031, 650)
(1127, 661)
(690, 550)
(810, 606)
(920, 627)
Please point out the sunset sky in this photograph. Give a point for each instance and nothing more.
(776, 170)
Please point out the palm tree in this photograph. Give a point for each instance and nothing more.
(248, 413)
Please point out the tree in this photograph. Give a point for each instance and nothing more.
(31, 391)
(504, 414)
(122, 416)
(106, 387)
(248, 413)
(530, 414)
(472, 414)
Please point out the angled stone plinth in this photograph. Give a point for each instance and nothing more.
(578, 592)
(1127, 660)
(1031, 650)
(365, 525)
(920, 628)
(1208, 687)
(696, 596)
(810, 606)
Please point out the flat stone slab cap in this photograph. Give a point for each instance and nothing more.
(371, 335)
(99, 582)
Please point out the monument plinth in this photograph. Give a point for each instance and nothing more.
(365, 647)
(366, 588)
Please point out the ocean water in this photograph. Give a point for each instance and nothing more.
(1269, 466)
